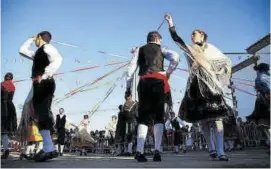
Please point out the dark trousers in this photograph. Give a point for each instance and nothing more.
(42, 100)
(151, 101)
(61, 136)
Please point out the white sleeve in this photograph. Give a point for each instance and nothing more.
(180, 122)
(25, 50)
(55, 61)
(132, 67)
(173, 57)
(167, 124)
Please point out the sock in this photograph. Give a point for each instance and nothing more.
(219, 134)
(226, 145)
(48, 145)
(61, 148)
(231, 142)
(184, 147)
(40, 145)
(177, 149)
(32, 148)
(130, 147)
(57, 148)
(208, 136)
(27, 149)
(5, 141)
(158, 133)
(142, 131)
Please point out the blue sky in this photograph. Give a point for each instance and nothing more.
(116, 27)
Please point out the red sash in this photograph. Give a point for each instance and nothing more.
(158, 76)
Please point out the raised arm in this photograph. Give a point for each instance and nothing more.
(55, 61)
(179, 41)
(132, 67)
(25, 49)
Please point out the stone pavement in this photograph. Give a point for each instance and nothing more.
(254, 158)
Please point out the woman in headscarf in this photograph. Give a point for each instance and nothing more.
(207, 98)
(8, 112)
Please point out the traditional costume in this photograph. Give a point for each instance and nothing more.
(60, 127)
(46, 61)
(208, 97)
(176, 124)
(152, 86)
(120, 131)
(261, 113)
(130, 110)
(8, 113)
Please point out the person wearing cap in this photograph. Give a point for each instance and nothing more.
(208, 98)
(8, 112)
(46, 61)
(152, 87)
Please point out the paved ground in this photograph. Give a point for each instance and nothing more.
(248, 158)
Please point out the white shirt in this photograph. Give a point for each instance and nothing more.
(54, 57)
(172, 56)
(169, 126)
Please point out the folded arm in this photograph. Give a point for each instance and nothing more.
(132, 67)
(55, 60)
(173, 58)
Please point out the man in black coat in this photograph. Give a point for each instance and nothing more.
(60, 127)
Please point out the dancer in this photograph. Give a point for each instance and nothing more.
(153, 85)
(130, 111)
(8, 112)
(261, 113)
(60, 127)
(120, 131)
(33, 138)
(83, 134)
(46, 61)
(208, 95)
(177, 124)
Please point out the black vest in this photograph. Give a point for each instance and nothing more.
(150, 59)
(40, 62)
(130, 111)
(60, 122)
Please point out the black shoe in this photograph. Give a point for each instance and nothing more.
(60, 154)
(157, 156)
(213, 154)
(41, 156)
(81, 153)
(176, 152)
(27, 157)
(184, 151)
(141, 158)
(5, 154)
(53, 154)
(137, 155)
(223, 158)
(85, 154)
(128, 154)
